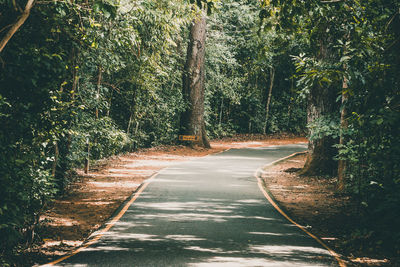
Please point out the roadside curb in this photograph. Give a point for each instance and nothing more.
(269, 196)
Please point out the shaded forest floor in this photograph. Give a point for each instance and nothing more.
(92, 198)
(313, 202)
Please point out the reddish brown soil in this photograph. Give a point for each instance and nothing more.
(313, 202)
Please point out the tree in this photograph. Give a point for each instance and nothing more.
(14, 27)
(267, 105)
(321, 104)
(313, 21)
(192, 120)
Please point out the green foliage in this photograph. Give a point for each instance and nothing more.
(239, 57)
(110, 72)
(75, 72)
(356, 42)
(105, 139)
(324, 126)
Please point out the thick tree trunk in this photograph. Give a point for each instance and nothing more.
(192, 120)
(14, 28)
(321, 102)
(271, 84)
(321, 151)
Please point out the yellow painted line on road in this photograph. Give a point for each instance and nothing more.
(275, 205)
(105, 229)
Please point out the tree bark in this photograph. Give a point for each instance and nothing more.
(55, 162)
(343, 126)
(321, 102)
(99, 77)
(129, 123)
(192, 119)
(221, 111)
(14, 28)
(271, 84)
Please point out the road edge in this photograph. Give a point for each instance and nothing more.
(268, 195)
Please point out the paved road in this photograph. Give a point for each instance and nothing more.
(206, 212)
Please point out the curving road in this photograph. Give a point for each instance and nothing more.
(206, 212)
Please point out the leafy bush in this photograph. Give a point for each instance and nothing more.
(26, 185)
(104, 138)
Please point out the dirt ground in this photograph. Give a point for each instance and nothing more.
(95, 196)
(313, 203)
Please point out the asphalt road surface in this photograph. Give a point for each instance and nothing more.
(206, 212)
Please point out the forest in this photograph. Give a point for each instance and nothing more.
(115, 76)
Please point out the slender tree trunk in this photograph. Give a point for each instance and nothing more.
(343, 126)
(290, 106)
(14, 28)
(271, 84)
(321, 102)
(342, 164)
(192, 119)
(129, 123)
(109, 105)
(136, 128)
(55, 162)
(221, 110)
(99, 77)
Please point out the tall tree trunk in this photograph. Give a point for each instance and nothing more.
(271, 84)
(221, 111)
(290, 106)
(75, 77)
(129, 123)
(192, 119)
(343, 126)
(55, 162)
(99, 77)
(14, 28)
(321, 102)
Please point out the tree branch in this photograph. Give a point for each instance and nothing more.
(17, 24)
(330, 2)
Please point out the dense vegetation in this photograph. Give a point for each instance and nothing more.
(348, 70)
(109, 73)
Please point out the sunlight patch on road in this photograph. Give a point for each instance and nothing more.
(185, 238)
(130, 236)
(210, 250)
(244, 262)
(250, 201)
(288, 250)
(106, 248)
(271, 234)
(167, 180)
(189, 206)
(199, 217)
